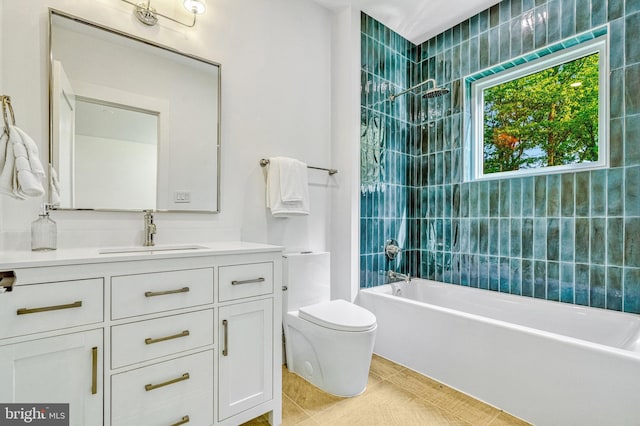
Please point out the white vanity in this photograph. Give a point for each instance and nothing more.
(183, 336)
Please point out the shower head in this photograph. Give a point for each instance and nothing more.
(435, 92)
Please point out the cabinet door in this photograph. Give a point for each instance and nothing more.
(62, 369)
(245, 356)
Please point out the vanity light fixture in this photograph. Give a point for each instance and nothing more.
(149, 16)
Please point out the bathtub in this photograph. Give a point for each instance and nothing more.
(548, 363)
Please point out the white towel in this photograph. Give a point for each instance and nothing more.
(287, 187)
(6, 156)
(8, 175)
(22, 172)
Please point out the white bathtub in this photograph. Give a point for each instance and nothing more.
(548, 363)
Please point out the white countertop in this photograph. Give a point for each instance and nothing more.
(29, 259)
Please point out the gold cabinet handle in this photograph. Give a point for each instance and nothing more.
(25, 311)
(252, 281)
(185, 419)
(151, 387)
(150, 341)
(94, 370)
(163, 293)
(225, 330)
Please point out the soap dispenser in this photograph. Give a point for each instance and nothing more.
(44, 231)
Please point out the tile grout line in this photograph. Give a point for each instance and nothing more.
(292, 401)
(418, 395)
(494, 417)
(307, 413)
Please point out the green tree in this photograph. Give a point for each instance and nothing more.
(548, 118)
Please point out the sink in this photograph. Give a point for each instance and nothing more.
(150, 249)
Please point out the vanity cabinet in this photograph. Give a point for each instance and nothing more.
(159, 338)
(245, 357)
(61, 369)
(173, 392)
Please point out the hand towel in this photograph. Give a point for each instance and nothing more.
(8, 175)
(293, 179)
(287, 187)
(4, 142)
(22, 172)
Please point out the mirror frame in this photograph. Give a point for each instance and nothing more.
(53, 12)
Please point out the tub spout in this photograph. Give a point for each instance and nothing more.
(394, 278)
(398, 276)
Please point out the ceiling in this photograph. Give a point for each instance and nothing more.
(415, 20)
(105, 121)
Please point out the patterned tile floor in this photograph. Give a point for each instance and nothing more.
(395, 396)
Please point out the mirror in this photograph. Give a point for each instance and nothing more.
(133, 125)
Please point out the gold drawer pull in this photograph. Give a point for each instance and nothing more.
(94, 370)
(225, 347)
(185, 419)
(24, 311)
(255, 280)
(162, 293)
(151, 387)
(150, 341)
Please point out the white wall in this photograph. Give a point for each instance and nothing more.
(114, 165)
(276, 100)
(1, 93)
(345, 223)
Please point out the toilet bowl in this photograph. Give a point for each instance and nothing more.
(329, 343)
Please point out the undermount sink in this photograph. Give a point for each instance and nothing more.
(149, 249)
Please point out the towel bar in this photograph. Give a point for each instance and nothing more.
(265, 161)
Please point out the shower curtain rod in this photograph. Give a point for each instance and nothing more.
(265, 161)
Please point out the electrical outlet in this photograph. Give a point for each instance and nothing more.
(182, 197)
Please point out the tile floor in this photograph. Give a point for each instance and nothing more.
(395, 396)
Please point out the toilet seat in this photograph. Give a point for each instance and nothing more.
(338, 315)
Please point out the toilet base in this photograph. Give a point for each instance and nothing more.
(335, 361)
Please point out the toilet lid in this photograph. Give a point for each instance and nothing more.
(338, 315)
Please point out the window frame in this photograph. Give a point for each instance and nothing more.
(476, 84)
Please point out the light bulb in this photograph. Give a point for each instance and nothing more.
(195, 6)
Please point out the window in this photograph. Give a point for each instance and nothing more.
(544, 113)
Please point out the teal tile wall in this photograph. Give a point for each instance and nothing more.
(572, 237)
(385, 214)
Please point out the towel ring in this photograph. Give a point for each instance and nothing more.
(6, 105)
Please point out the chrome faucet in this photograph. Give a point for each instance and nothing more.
(394, 277)
(149, 228)
(398, 276)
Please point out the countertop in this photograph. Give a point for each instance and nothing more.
(86, 255)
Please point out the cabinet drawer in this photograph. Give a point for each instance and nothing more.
(145, 340)
(141, 294)
(42, 307)
(165, 393)
(238, 281)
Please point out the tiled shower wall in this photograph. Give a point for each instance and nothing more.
(572, 237)
(385, 210)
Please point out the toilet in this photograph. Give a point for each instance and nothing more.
(329, 343)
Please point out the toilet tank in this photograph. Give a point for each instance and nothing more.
(306, 276)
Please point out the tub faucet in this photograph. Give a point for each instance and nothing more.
(396, 290)
(398, 276)
(149, 228)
